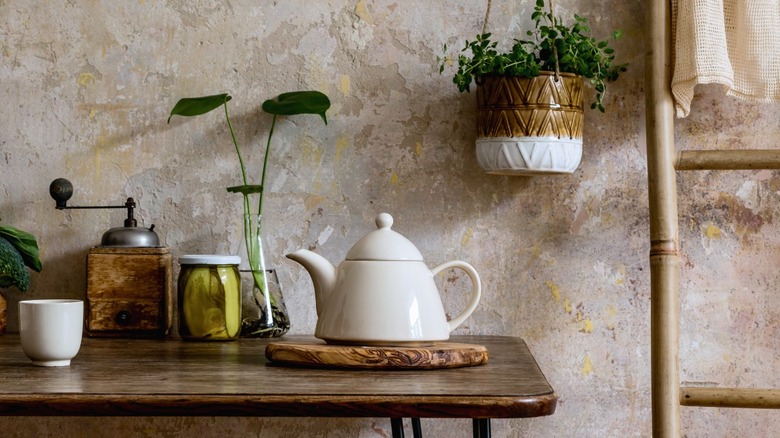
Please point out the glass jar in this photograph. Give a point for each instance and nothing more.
(209, 297)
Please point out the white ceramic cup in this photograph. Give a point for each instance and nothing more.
(51, 330)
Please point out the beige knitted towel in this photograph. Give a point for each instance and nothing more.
(735, 43)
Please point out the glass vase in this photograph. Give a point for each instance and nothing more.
(264, 314)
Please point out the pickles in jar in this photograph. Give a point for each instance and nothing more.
(209, 297)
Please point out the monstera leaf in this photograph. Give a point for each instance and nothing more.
(196, 106)
(298, 102)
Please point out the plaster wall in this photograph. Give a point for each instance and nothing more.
(86, 89)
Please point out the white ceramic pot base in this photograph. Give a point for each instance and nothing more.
(528, 155)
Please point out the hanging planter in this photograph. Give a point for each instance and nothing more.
(530, 97)
(529, 126)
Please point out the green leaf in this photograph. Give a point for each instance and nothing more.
(246, 189)
(25, 243)
(195, 106)
(298, 102)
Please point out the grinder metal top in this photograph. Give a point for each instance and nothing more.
(128, 236)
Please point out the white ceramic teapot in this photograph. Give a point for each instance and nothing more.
(383, 293)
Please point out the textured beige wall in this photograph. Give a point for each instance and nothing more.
(86, 88)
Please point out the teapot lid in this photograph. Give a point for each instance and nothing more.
(384, 244)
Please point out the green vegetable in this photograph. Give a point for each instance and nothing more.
(17, 250)
(25, 243)
(12, 270)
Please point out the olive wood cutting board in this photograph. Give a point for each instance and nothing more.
(437, 356)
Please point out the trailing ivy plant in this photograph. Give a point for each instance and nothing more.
(553, 46)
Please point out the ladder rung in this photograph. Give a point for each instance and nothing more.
(730, 397)
(728, 160)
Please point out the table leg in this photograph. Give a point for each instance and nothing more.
(481, 427)
(397, 426)
(416, 428)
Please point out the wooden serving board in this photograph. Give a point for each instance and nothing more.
(436, 356)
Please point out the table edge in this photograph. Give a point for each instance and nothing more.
(185, 405)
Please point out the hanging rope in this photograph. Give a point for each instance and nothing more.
(552, 19)
(487, 14)
(555, 49)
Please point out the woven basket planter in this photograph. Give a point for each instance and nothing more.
(530, 126)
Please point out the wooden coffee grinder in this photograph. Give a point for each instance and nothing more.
(129, 280)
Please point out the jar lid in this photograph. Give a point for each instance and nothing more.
(209, 259)
(384, 244)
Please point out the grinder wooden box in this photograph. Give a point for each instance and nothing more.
(129, 292)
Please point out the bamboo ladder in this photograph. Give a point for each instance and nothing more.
(662, 164)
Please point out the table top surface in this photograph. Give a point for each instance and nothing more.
(132, 377)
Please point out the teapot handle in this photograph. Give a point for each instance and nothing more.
(476, 291)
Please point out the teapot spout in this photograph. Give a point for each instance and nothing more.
(322, 272)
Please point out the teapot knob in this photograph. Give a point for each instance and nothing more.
(384, 220)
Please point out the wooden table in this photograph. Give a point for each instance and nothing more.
(125, 377)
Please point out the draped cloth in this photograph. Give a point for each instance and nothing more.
(735, 43)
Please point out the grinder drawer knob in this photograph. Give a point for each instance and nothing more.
(123, 317)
